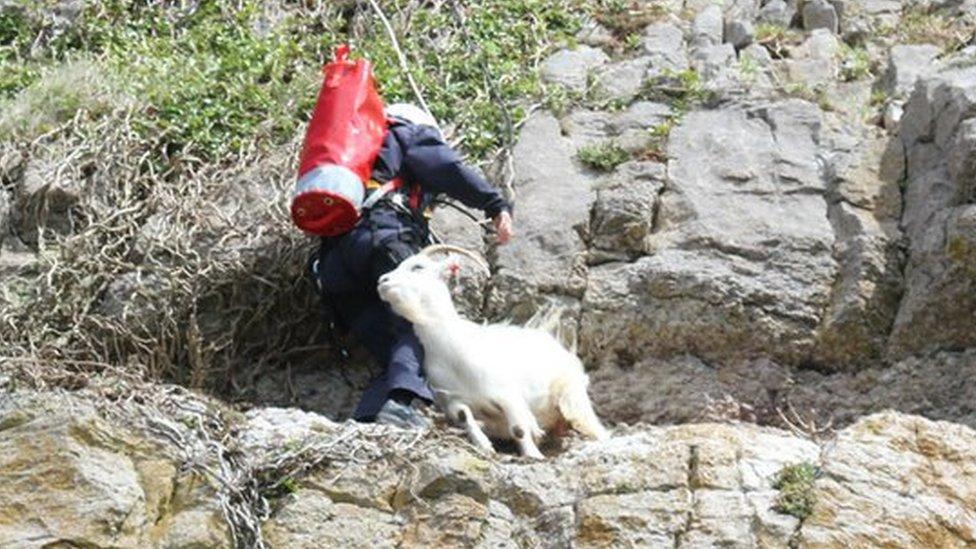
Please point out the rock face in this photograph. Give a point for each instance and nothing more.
(938, 133)
(742, 246)
(70, 476)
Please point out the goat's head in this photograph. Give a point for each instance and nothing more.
(417, 289)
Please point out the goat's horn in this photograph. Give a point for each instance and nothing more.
(448, 248)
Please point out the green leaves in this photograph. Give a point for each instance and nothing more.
(604, 156)
(796, 489)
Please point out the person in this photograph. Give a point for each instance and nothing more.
(346, 268)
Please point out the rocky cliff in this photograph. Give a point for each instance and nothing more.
(122, 464)
(759, 219)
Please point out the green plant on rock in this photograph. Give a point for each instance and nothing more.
(774, 38)
(796, 489)
(815, 94)
(603, 156)
(920, 26)
(855, 63)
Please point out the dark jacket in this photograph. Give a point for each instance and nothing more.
(419, 155)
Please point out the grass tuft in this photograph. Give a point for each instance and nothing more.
(603, 156)
(796, 489)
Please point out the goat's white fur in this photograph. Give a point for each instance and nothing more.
(515, 382)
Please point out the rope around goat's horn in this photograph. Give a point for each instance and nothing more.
(448, 248)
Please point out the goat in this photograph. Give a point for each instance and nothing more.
(517, 382)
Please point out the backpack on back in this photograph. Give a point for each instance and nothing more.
(343, 139)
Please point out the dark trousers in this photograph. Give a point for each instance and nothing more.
(347, 272)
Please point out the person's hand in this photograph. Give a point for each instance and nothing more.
(503, 227)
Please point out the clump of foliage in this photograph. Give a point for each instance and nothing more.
(217, 78)
(815, 94)
(920, 26)
(603, 156)
(776, 38)
(855, 63)
(796, 489)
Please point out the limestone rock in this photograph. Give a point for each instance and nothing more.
(815, 62)
(730, 269)
(906, 65)
(819, 14)
(938, 131)
(623, 214)
(664, 44)
(622, 80)
(70, 477)
(548, 255)
(739, 33)
(777, 12)
(707, 27)
(45, 199)
(571, 68)
(905, 496)
(309, 519)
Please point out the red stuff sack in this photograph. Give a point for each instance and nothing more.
(343, 138)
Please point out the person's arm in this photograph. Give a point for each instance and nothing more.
(439, 169)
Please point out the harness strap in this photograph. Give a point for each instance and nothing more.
(414, 196)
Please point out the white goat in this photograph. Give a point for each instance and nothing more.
(516, 382)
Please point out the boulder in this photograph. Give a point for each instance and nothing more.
(571, 67)
(740, 33)
(664, 44)
(707, 27)
(814, 63)
(777, 12)
(819, 14)
(622, 80)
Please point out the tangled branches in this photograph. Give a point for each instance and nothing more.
(191, 269)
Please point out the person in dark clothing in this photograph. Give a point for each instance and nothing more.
(393, 228)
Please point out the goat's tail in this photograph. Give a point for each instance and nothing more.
(574, 405)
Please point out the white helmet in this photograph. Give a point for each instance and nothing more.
(411, 113)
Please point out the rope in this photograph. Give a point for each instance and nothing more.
(400, 56)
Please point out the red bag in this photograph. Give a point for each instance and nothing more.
(343, 138)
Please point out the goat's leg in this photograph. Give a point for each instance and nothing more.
(460, 412)
(522, 426)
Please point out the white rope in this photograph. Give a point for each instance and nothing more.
(400, 56)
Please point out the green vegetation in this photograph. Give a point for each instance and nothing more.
(775, 38)
(855, 63)
(603, 156)
(816, 94)
(919, 26)
(216, 80)
(796, 489)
